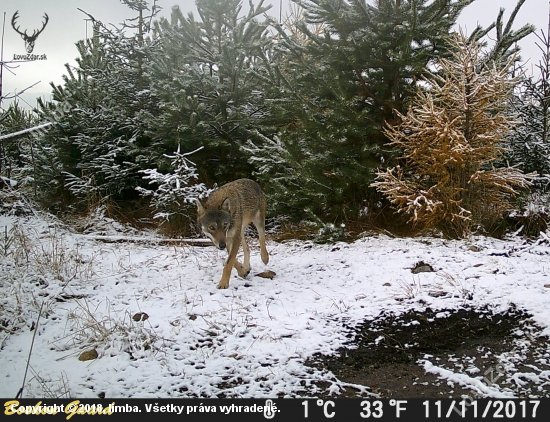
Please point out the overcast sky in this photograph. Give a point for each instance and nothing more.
(67, 25)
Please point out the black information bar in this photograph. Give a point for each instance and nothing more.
(295, 409)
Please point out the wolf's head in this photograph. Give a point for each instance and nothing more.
(215, 221)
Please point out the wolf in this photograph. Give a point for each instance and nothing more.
(224, 216)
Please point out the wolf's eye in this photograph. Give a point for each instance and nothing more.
(212, 228)
(225, 226)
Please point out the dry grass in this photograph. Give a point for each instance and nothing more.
(38, 265)
(98, 326)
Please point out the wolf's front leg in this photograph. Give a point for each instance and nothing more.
(232, 249)
(226, 274)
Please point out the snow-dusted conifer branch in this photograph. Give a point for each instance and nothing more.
(175, 189)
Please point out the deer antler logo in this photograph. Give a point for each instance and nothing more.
(29, 39)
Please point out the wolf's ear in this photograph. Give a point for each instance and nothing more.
(200, 206)
(225, 205)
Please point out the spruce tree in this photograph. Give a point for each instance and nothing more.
(12, 150)
(529, 142)
(175, 190)
(206, 77)
(347, 68)
(100, 132)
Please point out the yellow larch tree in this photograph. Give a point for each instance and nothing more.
(451, 138)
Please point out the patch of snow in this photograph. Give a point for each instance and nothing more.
(251, 340)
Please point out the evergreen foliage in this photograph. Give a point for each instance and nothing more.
(529, 145)
(304, 106)
(173, 190)
(24, 159)
(99, 111)
(205, 76)
(505, 40)
(347, 68)
(14, 151)
(450, 140)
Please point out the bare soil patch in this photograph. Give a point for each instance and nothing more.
(503, 350)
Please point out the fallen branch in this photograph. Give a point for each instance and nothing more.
(141, 239)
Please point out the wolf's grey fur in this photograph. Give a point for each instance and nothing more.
(224, 216)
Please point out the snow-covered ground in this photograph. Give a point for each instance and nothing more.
(250, 340)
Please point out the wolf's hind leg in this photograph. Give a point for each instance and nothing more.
(246, 250)
(259, 222)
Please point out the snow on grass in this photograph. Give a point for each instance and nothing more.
(250, 340)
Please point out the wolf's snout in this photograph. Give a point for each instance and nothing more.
(221, 246)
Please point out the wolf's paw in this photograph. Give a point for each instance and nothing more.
(242, 270)
(265, 256)
(243, 273)
(222, 285)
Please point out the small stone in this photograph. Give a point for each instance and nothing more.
(422, 267)
(140, 316)
(88, 355)
(267, 274)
